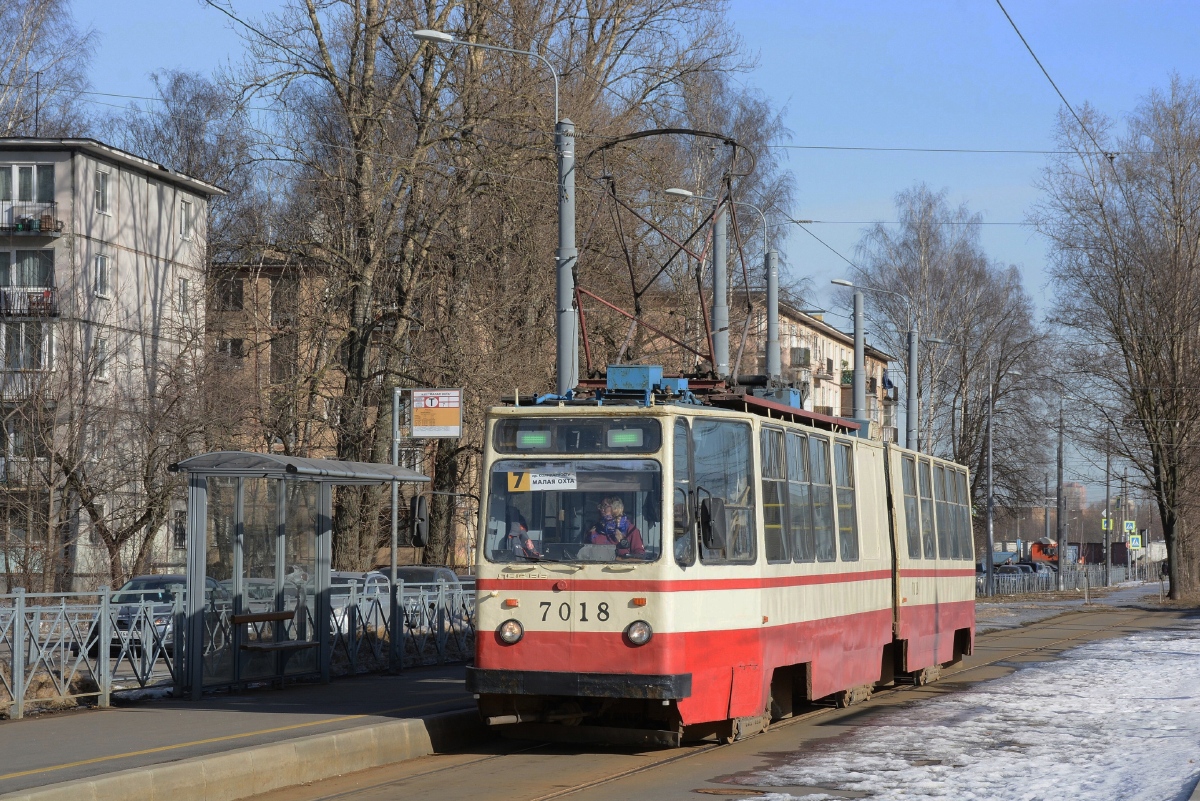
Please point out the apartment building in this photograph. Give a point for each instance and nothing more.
(819, 359)
(102, 258)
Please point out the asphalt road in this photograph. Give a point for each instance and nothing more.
(528, 771)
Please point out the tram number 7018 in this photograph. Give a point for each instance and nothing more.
(565, 611)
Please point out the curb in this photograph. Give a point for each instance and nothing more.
(247, 772)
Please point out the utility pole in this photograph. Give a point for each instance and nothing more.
(991, 497)
(774, 370)
(914, 399)
(859, 387)
(720, 304)
(1060, 504)
(1046, 505)
(565, 257)
(1107, 513)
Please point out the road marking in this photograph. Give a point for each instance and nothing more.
(162, 748)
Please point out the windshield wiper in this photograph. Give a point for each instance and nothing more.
(541, 559)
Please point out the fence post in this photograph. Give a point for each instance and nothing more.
(18, 653)
(395, 651)
(177, 639)
(104, 646)
(351, 618)
(441, 623)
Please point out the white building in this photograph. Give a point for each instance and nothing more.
(102, 258)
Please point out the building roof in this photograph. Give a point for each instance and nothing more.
(788, 310)
(100, 150)
(270, 465)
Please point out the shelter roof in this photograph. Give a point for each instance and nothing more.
(271, 465)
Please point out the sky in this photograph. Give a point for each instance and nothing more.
(850, 74)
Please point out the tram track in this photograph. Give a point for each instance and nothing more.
(701, 749)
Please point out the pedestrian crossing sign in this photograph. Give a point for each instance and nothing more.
(1135, 541)
(1130, 526)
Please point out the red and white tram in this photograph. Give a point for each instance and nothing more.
(760, 557)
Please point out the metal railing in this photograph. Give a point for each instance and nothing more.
(30, 218)
(1075, 578)
(28, 301)
(53, 653)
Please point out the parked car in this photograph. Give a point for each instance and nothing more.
(155, 595)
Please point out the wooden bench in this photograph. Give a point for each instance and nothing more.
(270, 617)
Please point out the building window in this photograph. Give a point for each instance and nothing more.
(179, 529)
(185, 219)
(94, 525)
(26, 346)
(103, 269)
(183, 295)
(45, 183)
(801, 357)
(233, 351)
(285, 300)
(102, 191)
(229, 294)
(284, 358)
(27, 268)
(100, 357)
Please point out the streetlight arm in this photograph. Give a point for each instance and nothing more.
(540, 57)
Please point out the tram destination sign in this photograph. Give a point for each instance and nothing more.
(436, 413)
(541, 482)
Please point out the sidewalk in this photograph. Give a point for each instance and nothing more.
(70, 746)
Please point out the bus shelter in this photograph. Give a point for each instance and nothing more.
(259, 554)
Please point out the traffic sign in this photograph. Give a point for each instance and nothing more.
(436, 413)
(1105, 524)
(1135, 541)
(1131, 526)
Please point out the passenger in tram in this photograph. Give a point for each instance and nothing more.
(518, 540)
(615, 528)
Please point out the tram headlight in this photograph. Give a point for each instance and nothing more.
(511, 631)
(638, 632)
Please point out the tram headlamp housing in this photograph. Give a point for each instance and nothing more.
(638, 632)
(511, 631)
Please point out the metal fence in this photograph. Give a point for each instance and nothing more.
(1075, 578)
(59, 648)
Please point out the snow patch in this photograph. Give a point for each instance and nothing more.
(1115, 720)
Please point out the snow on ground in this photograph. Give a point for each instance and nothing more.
(999, 613)
(1114, 720)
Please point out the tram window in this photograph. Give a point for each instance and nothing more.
(775, 494)
(847, 513)
(804, 543)
(967, 549)
(585, 510)
(927, 531)
(822, 499)
(685, 526)
(912, 516)
(722, 468)
(945, 537)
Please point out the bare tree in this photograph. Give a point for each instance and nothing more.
(1125, 231)
(43, 63)
(951, 291)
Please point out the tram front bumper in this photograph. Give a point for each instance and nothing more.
(579, 685)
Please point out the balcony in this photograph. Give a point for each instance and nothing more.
(28, 301)
(28, 218)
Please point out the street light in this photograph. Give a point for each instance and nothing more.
(720, 309)
(913, 411)
(567, 362)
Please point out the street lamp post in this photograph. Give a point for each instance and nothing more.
(567, 361)
(911, 414)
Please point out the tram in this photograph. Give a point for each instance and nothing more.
(654, 567)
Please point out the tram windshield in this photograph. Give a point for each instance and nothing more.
(582, 510)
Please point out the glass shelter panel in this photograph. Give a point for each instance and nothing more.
(219, 572)
(260, 534)
(300, 571)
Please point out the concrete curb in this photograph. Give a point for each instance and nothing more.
(246, 772)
